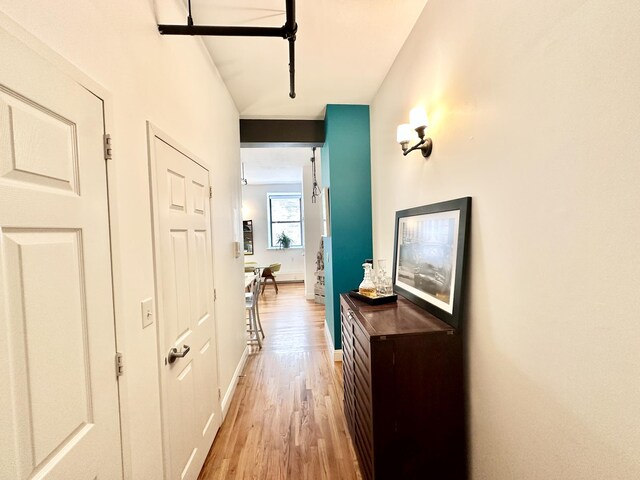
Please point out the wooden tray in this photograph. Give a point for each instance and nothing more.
(374, 301)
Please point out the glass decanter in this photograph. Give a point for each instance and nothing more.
(367, 287)
(384, 285)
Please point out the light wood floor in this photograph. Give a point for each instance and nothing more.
(286, 419)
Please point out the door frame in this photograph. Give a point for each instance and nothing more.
(65, 66)
(152, 132)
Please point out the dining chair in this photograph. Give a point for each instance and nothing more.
(254, 326)
(269, 274)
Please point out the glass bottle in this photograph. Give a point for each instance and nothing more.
(388, 285)
(383, 281)
(382, 267)
(367, 287)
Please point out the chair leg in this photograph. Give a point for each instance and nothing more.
(254, 335)
(258, 339)
(255, 330)
(260, 330)
(264, 283)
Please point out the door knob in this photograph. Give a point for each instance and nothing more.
(174, 353)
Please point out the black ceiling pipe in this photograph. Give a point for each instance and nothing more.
(292, 67)
(287, 31)
(222, 31)
(292, 28)
(290, 6)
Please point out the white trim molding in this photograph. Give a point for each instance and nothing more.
(228, 395)
(337, 354)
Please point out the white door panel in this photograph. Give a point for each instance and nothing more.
(59, 408)
(184, 269)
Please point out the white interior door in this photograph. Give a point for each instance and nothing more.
(185, 292)
(59, 415)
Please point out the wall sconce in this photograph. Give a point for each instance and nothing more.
(418, 119)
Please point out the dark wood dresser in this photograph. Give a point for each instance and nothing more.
(404, 396)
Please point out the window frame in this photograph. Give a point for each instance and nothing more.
(270, 222)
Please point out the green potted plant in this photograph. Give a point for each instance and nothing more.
(284, 240)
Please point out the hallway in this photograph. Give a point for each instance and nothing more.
(286, 419)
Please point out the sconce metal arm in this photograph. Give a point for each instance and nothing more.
(425, 144)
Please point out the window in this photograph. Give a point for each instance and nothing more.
(285, 215)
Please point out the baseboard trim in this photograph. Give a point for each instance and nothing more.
(327, 336)
(228, 396)
(337, 354)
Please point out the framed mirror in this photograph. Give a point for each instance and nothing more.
(247, 236)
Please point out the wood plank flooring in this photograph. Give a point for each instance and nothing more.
(286, 419)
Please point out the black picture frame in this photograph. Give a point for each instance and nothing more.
(429, 252)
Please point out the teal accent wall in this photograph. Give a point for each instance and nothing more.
(346, 170)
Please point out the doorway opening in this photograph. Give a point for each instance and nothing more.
(282, 225)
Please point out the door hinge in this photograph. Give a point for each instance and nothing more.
(219, 394)
(119, 364)
(107, 147)
(215, 295)
(210, 192)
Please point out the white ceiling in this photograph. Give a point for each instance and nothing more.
(344, 49)
(276, 165)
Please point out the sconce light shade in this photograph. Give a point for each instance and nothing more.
(418, 118)
(404, 133)
(418, 122)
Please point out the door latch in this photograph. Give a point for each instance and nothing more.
(174, 353)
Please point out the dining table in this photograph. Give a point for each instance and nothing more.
(257, 269)
(248, 278)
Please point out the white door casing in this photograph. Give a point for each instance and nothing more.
(184, 287)
(59, 413)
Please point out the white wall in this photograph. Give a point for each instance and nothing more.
(254, 207)
(312, 224)
(535, 113)
(172, 83)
